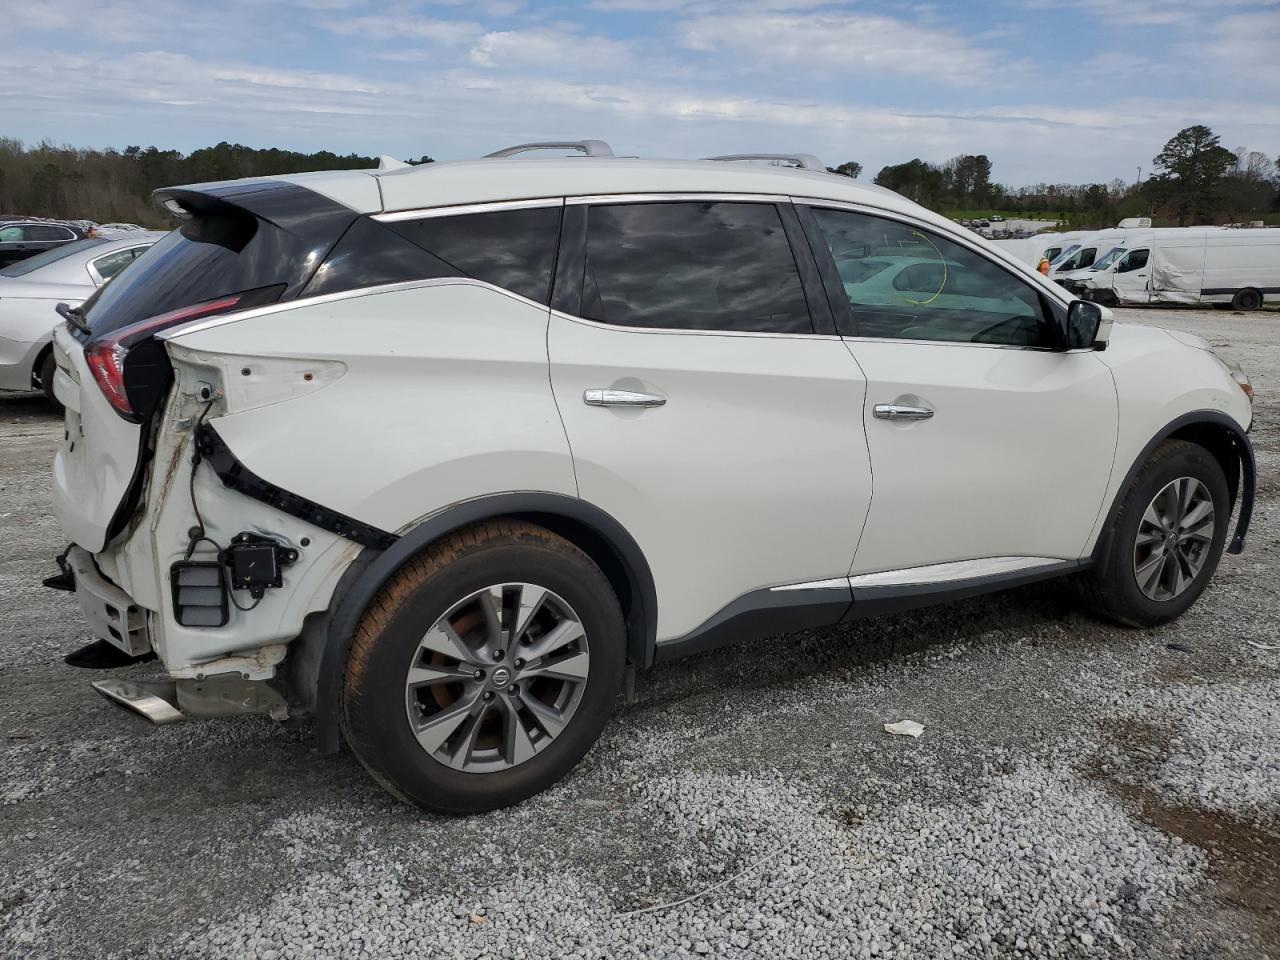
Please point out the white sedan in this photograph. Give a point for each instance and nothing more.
(31, 289)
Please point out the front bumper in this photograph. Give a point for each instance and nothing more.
(110, 612)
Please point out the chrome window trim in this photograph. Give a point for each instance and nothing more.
(959, 343)
(677, 331)
(951, 572)
(461, 209)
(601, 199)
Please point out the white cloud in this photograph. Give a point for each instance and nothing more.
(549, 49)
(406, 27)
(842, 43)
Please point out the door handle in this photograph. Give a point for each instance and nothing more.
(597, 397)
(900, 411)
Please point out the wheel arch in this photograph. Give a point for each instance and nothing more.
(1221, 436)
(324, 649)
(40, 356)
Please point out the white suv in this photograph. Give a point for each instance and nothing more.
(441, 456)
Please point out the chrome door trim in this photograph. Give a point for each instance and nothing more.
(900, 411)
(598, 397)
(680, 331)
(951, 571)
(838, 583)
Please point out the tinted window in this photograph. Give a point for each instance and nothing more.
(23, 267)
(45, 232)
(512, 249)
(1136, 260)
(922, 286)
(271, 237)
(692, 265)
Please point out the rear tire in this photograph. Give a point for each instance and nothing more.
(461, 694)
(48, 368)
(1166, 539)
(1248, 299)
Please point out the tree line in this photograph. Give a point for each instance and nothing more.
(1194, 180)
(115, 185)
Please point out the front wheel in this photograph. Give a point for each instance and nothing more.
(1247, 300)
(48, 369)
(485, 670)
(1166, 539)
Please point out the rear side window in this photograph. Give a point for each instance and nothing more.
(113, 263)
(512, 249)
(46, 232)
(269, 238)
(692, 265)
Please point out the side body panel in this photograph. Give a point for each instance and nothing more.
(1013, 463)
(444, 396)
(753, 473)
(1158, 379)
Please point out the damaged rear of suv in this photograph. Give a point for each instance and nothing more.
(442, 456)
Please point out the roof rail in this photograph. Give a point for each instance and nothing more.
(590, 148)
(806, 161)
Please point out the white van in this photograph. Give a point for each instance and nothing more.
(1194, 265)
(1031, 249)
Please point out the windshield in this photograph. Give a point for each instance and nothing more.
(31, 264)
(1112, 256)
(1068, 251)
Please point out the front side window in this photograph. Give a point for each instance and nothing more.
(922, 286)
(693, 265)
(1136, 260)
(1063, 255)
(1114, 254)
(1082, 258)
(10, 234)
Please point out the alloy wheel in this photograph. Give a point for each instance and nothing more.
(497, 678)
(1174, 539)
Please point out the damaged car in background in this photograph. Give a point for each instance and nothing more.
(443, 456)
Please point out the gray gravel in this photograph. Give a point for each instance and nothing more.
(1080, 790)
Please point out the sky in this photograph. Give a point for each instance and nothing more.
(1057, 91)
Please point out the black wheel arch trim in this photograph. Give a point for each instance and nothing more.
(356, 592)
(1248, 472)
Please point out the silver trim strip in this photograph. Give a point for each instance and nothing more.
(675, 331)
(457, 210)
(839, 583)
(952, 571)
(669, 197)
(237, 315)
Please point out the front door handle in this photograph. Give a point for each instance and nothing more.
(597, 397)
(900, 411)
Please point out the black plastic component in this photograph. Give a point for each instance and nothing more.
(66, 580)
(199, 593)
(255, 562)
(240, 478)
(101, 655)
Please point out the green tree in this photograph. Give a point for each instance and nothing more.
(915, 180)
(1190, 173)
(850, 168)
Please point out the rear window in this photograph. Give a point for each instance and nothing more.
(31, 264)
(512, 249)
(269, 237)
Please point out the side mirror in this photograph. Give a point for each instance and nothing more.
(1088, 325)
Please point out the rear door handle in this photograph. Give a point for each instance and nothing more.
(900, 411)
(597, 397)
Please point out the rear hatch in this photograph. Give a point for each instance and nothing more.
(239, 245)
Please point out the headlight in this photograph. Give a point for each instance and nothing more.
(1242, 378)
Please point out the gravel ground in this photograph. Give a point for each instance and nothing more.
(1080, 790)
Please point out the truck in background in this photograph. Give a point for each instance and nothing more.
(1193, 265)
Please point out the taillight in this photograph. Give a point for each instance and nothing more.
(106, 355)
